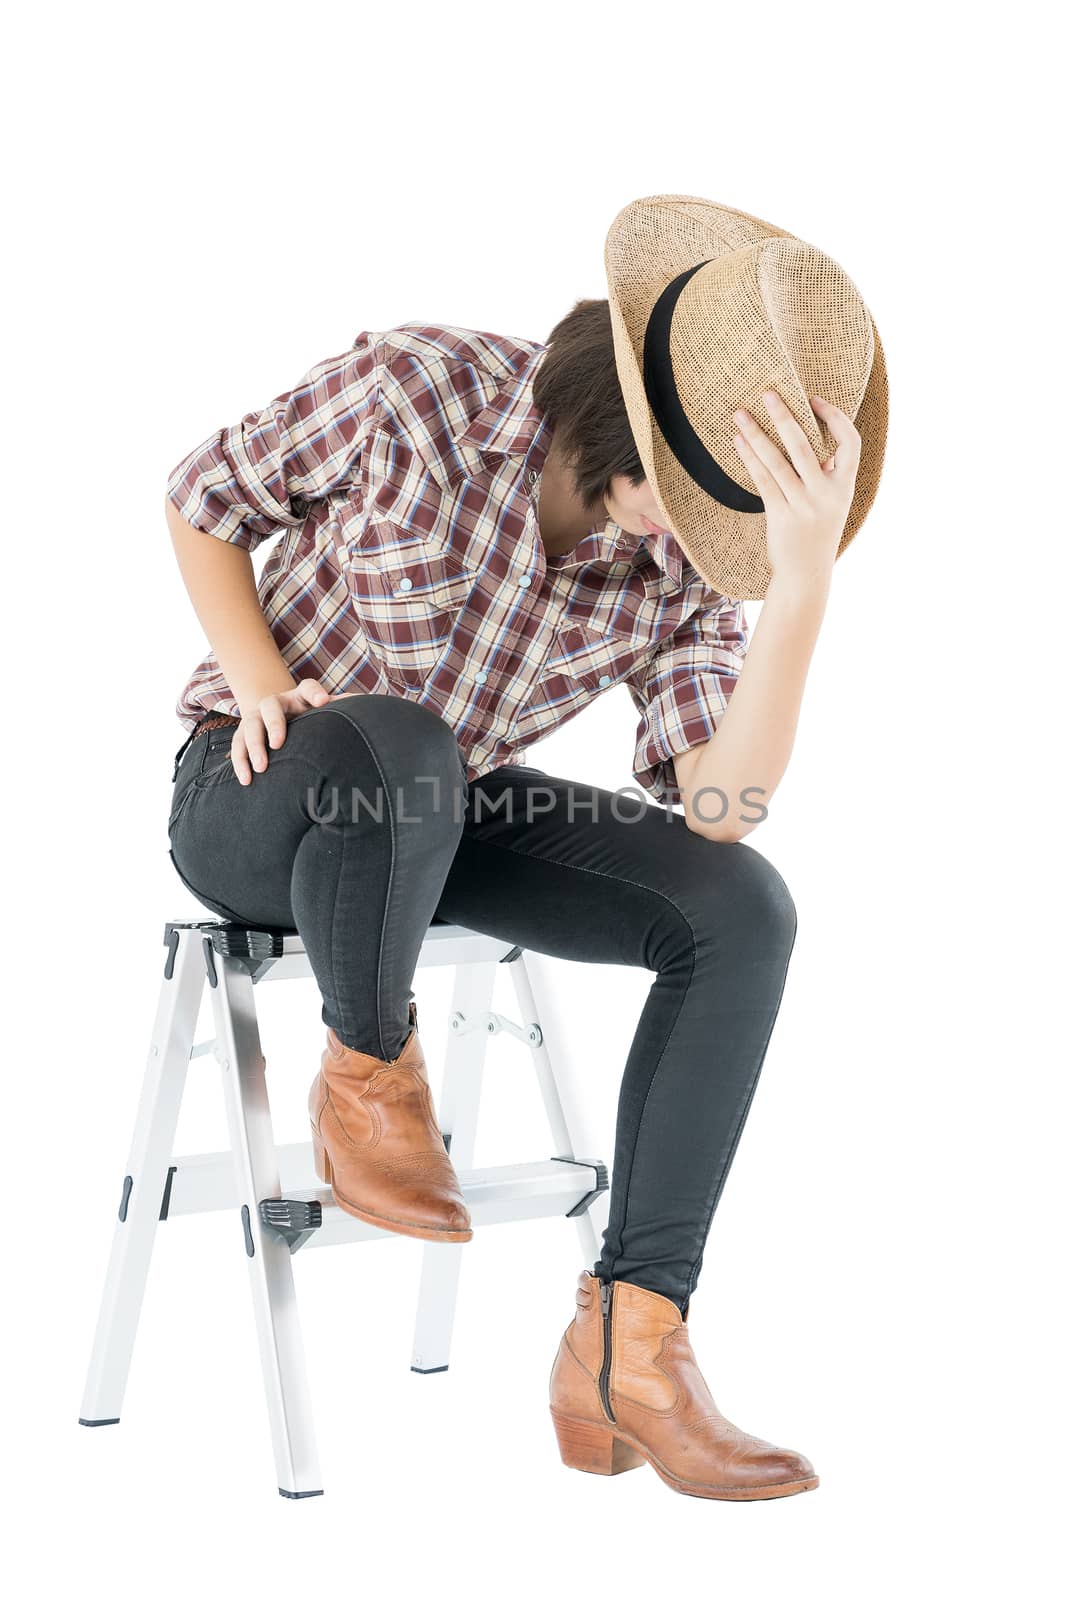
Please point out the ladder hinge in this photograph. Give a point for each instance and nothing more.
(494, 1023)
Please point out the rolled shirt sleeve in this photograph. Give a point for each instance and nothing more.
(683, 690)
(247, 481)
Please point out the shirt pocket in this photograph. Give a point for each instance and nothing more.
(407, 599)
(582, 662)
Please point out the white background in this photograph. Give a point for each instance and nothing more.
(202, 202)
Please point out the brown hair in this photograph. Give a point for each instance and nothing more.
(577, 388)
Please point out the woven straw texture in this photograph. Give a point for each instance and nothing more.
(769, 312)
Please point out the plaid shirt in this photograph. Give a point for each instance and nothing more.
(402, 476)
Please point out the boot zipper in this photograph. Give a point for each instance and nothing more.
(604, 1381)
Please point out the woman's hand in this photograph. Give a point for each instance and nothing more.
(267, 724)
(807, 503)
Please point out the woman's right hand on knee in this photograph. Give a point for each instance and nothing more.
(266, 725)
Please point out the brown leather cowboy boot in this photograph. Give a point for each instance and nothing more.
(377, 1141)
(625, 1389)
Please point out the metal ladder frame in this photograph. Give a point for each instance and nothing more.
(281, 1204)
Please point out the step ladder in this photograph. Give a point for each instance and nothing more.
(278, 1202)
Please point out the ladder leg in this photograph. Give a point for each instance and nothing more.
(145, 1181)
(531, 976)
(461, 1092)
(270, 1266)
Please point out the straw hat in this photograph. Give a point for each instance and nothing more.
(710, 307)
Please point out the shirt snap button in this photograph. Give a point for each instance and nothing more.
(524, 582)
(404, 585)
(481, 677)
(604, 681)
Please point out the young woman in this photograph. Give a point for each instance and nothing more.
(469, 553)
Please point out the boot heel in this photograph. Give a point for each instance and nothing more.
(323, 1168)
(592, 1447)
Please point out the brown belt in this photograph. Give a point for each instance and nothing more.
(217, 719)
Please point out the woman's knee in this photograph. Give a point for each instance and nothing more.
(739, 894)
(385, 743)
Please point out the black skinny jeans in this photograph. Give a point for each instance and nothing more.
(363, 828)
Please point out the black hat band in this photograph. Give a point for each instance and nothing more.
(662, 394)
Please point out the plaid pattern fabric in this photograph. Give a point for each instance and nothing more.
(401, 475)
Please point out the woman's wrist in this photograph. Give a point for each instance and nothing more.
(805, 592)
(250, 691)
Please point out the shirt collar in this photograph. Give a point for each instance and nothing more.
(510, 424)
(667, 554)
